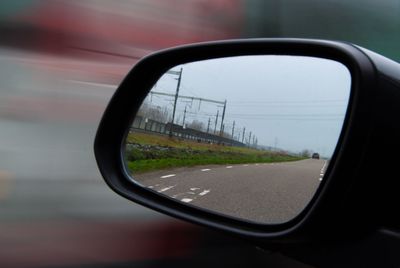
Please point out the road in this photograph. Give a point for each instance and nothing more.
(266, 193)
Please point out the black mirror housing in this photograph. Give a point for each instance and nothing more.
(343, 206)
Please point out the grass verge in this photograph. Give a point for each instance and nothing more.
(146, 152)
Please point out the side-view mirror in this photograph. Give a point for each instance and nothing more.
(239, 136)
(277, 140)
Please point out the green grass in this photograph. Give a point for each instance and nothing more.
(161, 152)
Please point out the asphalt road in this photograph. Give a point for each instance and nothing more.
(266, 193)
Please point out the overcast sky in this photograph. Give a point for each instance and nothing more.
(289, 102)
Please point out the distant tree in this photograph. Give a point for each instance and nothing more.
(305, 153)
(197, 125)
(226, 135)
(156, 113)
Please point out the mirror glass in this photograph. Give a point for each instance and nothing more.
(249, 137)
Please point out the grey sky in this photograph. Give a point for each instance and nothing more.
(291, 102)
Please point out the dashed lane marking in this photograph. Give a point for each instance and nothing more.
(229, 167)
(204, 192)
(205, 169)
(152, 186)
(191, 195)
(166, 189)
(167, 176)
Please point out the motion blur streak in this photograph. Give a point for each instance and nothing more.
(94, 242)
(60, 62)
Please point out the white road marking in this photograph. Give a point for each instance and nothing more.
(229, 167)
(205, 169)
(186, 200)
(320, 179)
(152, 186)
(323, 167)
(166, 189)
(321, 174)
(167, 176)
(194, 189)
(245, 165)
(204, 192)
(256, 164)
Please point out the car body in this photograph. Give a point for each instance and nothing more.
(315, 156)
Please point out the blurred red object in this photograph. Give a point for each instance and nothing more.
(128, 29)
(96, 43)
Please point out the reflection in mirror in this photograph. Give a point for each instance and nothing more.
(250, 137)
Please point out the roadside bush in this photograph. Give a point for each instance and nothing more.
(134, 154)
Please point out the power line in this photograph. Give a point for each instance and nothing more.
(187, 97)
(289, 101)
(264, 114)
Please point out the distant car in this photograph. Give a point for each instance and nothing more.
(315, 156)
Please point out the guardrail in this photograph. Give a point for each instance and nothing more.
(149, 125)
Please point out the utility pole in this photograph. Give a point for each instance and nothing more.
(238, 139)
(244, 131)
(216, 122)
(184, 117)
(233, 130)
(222, 120)
(208, 125)
(249, 138)
(176, 99)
